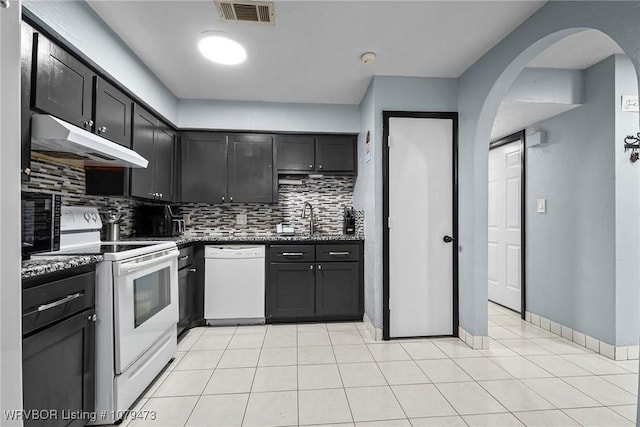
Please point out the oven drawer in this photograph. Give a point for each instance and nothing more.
(337, 253)
(185, 258)
(53, 301)
(292, 253)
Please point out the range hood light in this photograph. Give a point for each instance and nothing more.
(61, 139)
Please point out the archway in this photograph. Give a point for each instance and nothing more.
(482, 88)
(581, 280)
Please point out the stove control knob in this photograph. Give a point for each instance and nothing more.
(94, 217)
(87, 216)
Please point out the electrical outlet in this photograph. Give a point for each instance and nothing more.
(186, 218)
(241, 219)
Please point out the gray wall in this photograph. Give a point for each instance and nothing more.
(481, 89)
(570, 275)
(271, 116)
(388, 94)
(364, 198)
(627, 211)
(11, 289)
(78, 24)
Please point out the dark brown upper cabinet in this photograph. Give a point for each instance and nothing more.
(227, 168)
(112, 110)
(156, 142)
(204, 167)
(250, 163)
(63, 85)
(296, 153)
(336, 153)
(66, 88)
(303, 154)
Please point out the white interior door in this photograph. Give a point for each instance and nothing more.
(420, 215)
(504, 225)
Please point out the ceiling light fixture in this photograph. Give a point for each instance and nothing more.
(220, 49)
(368, 58)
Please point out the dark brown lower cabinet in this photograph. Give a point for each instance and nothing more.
(337, 290)
(312, 288)
(291, 290)
(58, 372)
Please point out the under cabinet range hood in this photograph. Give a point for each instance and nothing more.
(58, 138)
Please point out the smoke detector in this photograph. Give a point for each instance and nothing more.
(251, 12)
(368, 58)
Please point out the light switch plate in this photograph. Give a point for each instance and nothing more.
(186, 218)
(542, 205)
(241, 219)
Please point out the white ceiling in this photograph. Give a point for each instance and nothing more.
(311, 54)
(515, 116)
(576, 52)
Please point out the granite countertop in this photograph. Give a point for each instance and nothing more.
(43, 265)
(253, 237)
(49, 264)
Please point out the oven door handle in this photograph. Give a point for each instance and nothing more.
(126, 267)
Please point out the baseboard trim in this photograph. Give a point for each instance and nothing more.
(376, 333)
(476, 342)
(625, 352)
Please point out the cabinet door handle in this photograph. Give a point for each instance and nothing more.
(27, 171)
(310, 166)
(102, 129)
(222, 199)
(64, 300)
(292, 253)
(319, 267)
(92, 318)
(160, 195)
(319, 166)
(339, 253)
(311, 267)
(192, 270)
(231, 199)
(88, 123)
(183, 258)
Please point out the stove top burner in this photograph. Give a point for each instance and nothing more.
(103, 248)
(114, 251)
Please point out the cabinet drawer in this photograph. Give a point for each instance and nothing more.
(47, 303)
(337, 252)
(185, 259)
(292, 253)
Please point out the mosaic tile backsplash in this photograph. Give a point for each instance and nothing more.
(328, 196)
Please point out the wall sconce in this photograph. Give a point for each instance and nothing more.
(632, 143)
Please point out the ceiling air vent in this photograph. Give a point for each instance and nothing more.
(253, 12)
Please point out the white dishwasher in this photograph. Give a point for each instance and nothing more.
(234, 285)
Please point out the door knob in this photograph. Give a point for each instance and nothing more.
(447, 239)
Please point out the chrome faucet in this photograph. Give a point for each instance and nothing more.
(304, 215)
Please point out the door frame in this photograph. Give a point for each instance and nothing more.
(521, 136)
(386, 115)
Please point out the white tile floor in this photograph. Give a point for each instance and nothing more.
(334, 374)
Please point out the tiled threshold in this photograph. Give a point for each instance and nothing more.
(630, 352)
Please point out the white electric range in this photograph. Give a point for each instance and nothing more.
(136, 309)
